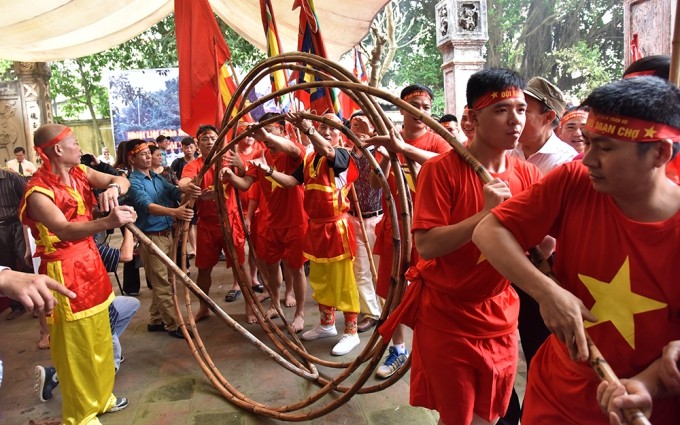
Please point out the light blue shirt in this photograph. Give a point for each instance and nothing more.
(152, 190)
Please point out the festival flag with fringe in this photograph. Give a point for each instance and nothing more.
(273, 42)
(318, 100)
(206, 83)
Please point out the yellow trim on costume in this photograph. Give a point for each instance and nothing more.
(342, 228)
(325, 259)
(319, 187)
(46, 240)
(55, 271)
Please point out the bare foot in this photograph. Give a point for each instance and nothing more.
(44, 341)
(262, 297)
(272, 313)
(298, 324)
(251, 318)
(290, 300)
(202, 314)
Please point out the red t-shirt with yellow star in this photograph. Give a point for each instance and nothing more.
(624, 272)
(284, 206)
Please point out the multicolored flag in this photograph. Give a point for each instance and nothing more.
(206, 82)
(359, 67)
(273, 42)
(318, 100)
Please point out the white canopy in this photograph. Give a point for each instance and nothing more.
(51, 30)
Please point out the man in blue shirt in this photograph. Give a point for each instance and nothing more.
(156, 202)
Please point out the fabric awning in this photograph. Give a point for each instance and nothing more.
(51, 30)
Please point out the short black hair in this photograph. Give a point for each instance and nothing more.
(188, 141)
(153, 148)
(357, 114)
(494, 79)
(269, 115)
(416, 87)
(659, 64)
(131, 144)
(203, 128)
(448, 118)
(645, 98)
(19, 149)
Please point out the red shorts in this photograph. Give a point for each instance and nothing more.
(285, 244)
(459, 376)
(209, 244)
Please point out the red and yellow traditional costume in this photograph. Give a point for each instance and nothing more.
(80, 334)
(329, 243)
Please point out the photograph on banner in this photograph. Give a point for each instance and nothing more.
(144, 105)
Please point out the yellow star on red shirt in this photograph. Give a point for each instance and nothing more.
(615, 302)
(274, 183)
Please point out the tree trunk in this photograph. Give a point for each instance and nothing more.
(537, 38)
(90, 106)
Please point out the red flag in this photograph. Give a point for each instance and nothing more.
(205, 80)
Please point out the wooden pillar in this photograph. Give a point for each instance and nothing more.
(652, 22)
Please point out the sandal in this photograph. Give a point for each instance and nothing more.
(232, 295)
(259, 288)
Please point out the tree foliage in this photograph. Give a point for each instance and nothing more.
(80, 80)
(577, 44)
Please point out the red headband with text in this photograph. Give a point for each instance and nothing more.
(496, 96)
(630, 129)
(578, 113)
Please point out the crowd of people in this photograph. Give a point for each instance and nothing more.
(591, 187)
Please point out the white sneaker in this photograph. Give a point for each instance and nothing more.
(319, 331)
(346, 344)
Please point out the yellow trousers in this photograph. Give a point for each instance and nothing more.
(82, 352)
(334, 284)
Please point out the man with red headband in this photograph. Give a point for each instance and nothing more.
(464, 314)
(282, 220)
(57, 206)
(415, 143)
(156, 201)
(209, 237)
(570, 130)
(619, 273)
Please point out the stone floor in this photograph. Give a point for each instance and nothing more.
(165, 384)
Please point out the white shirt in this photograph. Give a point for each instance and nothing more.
(554, 152)
(108, 160)
(28, 167)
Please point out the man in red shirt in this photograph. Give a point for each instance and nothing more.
(282, 221)
(418, 144)
(464, 314)
(209, 238)
(618, 223)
